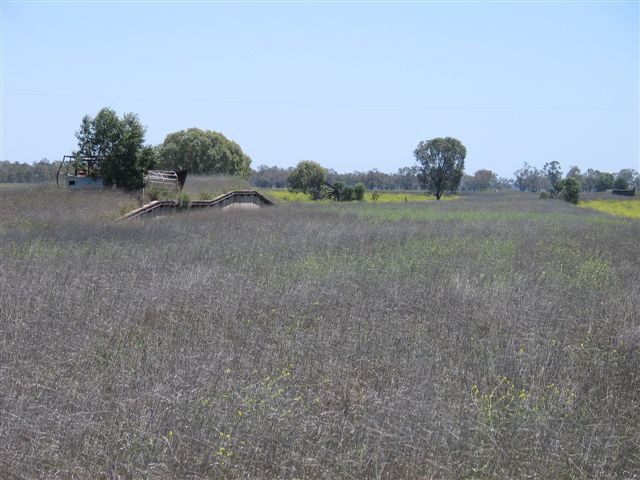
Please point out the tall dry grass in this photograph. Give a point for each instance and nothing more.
(497, 336)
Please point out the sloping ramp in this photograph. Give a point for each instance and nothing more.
(237, 196)
(160, 208)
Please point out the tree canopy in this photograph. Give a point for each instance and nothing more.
(530, 178)
(604, 181)
(203, 152)
(481, 180)
(569, 189)
(441, 163)
(553, 172)
(626, 178)
(308, 177)
(120, 144)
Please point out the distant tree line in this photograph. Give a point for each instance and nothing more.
(15, 172)
(526, 179)
(404, 179)
(483, 180)
(439, 167)
(276, 177)
(532, 179)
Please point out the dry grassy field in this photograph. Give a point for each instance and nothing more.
(492, 336)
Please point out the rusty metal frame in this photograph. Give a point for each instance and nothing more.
(83, 165)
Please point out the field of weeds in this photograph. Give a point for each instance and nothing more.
(493, 336)
(625, 208)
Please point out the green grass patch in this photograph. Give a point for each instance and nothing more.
(434, 214)
(623, 208)
(408, 258)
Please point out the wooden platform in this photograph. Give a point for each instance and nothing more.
(239, 198)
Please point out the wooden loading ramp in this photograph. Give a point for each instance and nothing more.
(160, 208)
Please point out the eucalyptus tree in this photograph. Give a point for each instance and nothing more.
(441, 164)
(203, 152)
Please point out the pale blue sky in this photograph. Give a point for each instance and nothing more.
(352, 86)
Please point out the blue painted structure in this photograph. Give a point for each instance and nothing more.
(78, 182)
(79, 171)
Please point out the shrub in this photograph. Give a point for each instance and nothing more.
(567, 189)
(158, 192)
(341, 192)
(184, 199)
(335, 192)
(358, 191)
(570, 190)
(346, 194)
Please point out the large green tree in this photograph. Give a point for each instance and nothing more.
(203, 152)
(308, 177)
(441, 163)
(119, 142)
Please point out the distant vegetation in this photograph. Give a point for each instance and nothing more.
(205, 152)
(494, 336)
(441, 167)
(375, 196)
(15, 172)
(310, 178)
(532, 179)
(526, 179)
(406, 178)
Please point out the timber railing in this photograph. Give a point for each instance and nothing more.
(236, 196)
(625, 192)
(159, 208)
